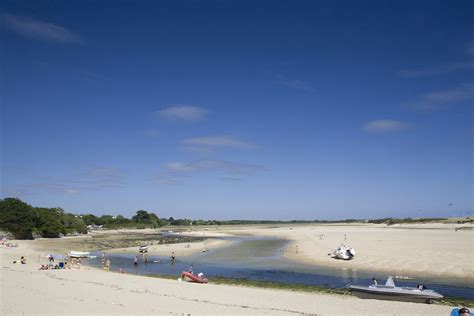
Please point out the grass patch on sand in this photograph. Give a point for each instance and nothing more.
(450, 301)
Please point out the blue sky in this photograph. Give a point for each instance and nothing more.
(239, 109)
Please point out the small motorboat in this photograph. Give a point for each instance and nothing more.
(344, 252)
(143, 248)
(190, 277)
(389, 291)
(79, 254)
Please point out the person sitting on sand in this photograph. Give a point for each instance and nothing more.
(23, 260)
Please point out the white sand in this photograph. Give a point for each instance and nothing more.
(406, 250)
(26, 290)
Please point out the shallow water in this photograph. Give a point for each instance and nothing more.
(261, 259)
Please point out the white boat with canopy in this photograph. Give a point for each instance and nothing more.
(389, 291)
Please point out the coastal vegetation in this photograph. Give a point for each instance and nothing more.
(24, 221)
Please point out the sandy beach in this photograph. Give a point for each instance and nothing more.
(27, 290)
(428, 250)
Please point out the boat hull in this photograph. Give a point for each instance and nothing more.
(188, 276)
(395, 294)
(79, 254)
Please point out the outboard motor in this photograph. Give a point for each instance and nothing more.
(352, 252)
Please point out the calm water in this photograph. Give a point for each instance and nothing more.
(261, 259)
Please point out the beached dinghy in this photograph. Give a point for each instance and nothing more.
(190, 277)
(344, 252)
(79, 254)
(396, 293)
(143, 248)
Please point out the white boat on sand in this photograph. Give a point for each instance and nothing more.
(389, 291)
(79, 254)
(143, 248)
(344, 252)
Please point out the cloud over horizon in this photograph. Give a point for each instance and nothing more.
(297, 84)
(40, 30)
(385, 126)
(216, 141)
(182, 112)
(436, 100)
(225, 166)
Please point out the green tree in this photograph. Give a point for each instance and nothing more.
(18, 218)
(149, 219)
(49, 222)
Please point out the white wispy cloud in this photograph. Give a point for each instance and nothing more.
(164, 180)
(182, 112)
(90, 179)
(385, 126)
(182, 167)
(436, 100)
(294, 83)
(437, 70)
(53, 187)
(36, 29)
(225, 166)
(105, 173)
(216, 141)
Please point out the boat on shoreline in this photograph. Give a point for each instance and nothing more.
(344, 252)
(143, 249)
(79, 254)
(190, 277)
(389, 291)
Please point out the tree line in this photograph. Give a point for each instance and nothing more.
(24, 221)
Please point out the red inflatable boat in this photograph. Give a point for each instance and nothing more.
(188, 276)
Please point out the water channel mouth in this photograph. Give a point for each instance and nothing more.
(261, 259)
